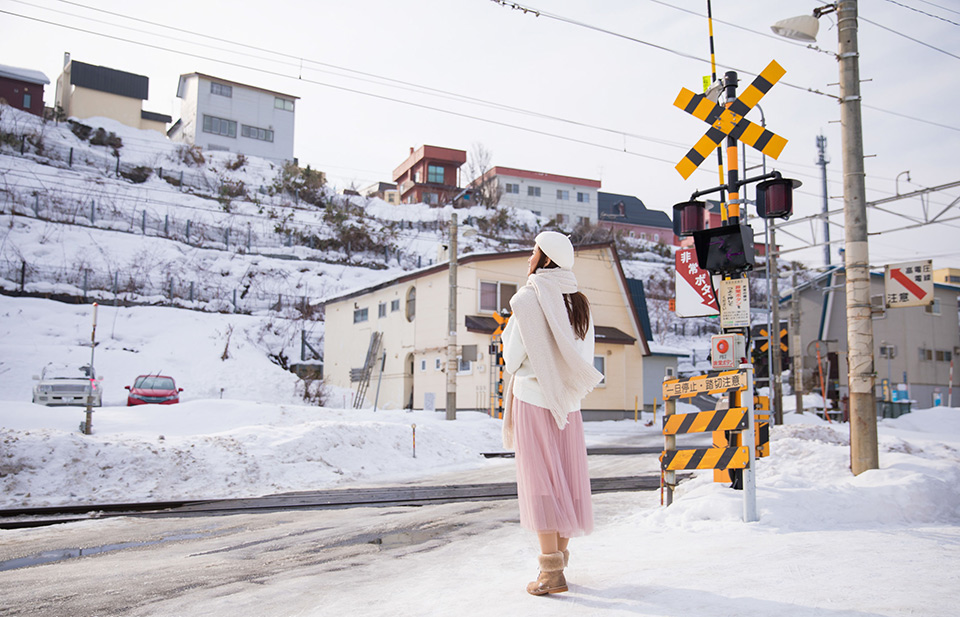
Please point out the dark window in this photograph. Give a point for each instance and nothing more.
(394, 306)
(533, 191)
(382, 309)
(583, 197)
(221, 90)
(283, 104)
(411, 303)
(360, 315)
(256, 133)
(27, 99)
(435, 174)
(219, 126)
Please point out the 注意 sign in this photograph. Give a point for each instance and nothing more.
(908, 284)
(726, 381)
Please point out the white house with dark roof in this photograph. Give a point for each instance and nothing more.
(219, 114)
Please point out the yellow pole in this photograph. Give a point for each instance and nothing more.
(636, 404)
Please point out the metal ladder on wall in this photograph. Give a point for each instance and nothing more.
(362, 375)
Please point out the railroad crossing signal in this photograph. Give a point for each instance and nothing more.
(729, 121)
(501, 321)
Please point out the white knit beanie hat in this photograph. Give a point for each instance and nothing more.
(557, 247)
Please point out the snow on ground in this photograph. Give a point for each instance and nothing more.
(827, 543)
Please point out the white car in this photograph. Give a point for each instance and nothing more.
(64, 385)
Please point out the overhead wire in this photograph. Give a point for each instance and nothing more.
(907, 6)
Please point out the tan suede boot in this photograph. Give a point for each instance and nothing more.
(551, 578)
(566, 557)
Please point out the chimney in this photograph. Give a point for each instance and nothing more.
(66, 59)
(411, 149)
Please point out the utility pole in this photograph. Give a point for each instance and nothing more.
(796, 366)
(452, 364)
(864, 454)
(822, 162)
(776, 366)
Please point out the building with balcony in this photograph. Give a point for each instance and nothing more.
(219, 114)
(86, 91)
(22, 88)
(430, 175)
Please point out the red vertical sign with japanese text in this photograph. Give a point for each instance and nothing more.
(695, 297)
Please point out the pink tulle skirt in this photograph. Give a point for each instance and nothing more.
(553, 482)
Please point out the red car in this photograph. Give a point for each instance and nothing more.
(158, 389)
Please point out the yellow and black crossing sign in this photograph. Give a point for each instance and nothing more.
(725, 381)
(501, 323)
(705, 421)
(705, 458)
(729, 121)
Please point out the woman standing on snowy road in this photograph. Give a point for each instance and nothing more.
(548, 347)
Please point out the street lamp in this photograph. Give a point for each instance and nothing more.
(453, 366)
(861, 378)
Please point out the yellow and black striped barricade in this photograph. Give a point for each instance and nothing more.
(721, 421)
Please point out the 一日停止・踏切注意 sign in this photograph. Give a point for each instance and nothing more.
(695, 297)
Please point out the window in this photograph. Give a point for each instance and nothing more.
(382, 309)
(411, 303)
(431, 198)
(584, 220)
(360, 315)
(561, 219)
(437, 364)
(933, 309)
(943, 355)
(435, 174)
(656, 237)
(284, 104)
(394, 306)
(878, 308)
(533, 191)
(219, 126)
(926, 354)
(464, 366)
(953, 278)
(27, 99)
(255, 133)
(221, 90)
(423, 366)
(583, 198)
(600, 363)
(512, 188)
(563, 195)
(888, 351)
(495, 296)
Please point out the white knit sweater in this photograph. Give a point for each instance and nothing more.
(525, 384)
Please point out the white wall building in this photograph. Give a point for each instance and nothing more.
(218, 114)
(567, 199)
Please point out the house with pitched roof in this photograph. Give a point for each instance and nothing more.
(22, 88)
(630, 215)
(396, 333)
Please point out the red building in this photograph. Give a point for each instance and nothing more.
(22, 88)
(430, 175)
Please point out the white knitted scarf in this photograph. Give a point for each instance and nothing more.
(562, 373)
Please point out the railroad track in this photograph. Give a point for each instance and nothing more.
(312, 500)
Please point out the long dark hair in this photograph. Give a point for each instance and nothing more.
(578, 308)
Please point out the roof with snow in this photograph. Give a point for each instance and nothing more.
(28, 75)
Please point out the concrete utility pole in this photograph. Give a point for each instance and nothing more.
(864, 454)
(796, 349)
(776, 366)
(822, 162)
(452, 364)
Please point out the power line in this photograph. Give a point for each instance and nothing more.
(910, 38)
(939, 6)
(924, 12)
(410, 86)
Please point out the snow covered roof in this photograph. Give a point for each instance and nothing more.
(28, 75)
